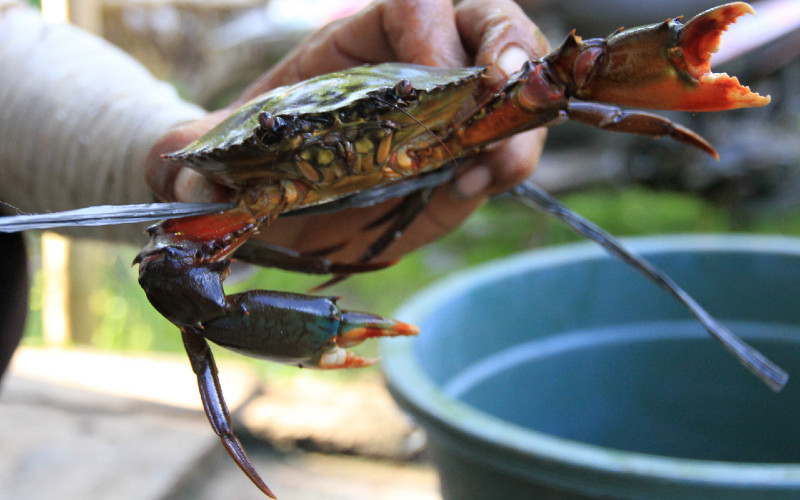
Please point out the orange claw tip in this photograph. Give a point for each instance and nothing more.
(357, 327)
(701, 37)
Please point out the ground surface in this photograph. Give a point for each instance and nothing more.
(78, 425)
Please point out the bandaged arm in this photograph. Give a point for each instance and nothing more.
(78, 118)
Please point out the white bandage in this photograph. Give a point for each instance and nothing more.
(78, 118)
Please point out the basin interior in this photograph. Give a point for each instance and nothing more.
(590, 351)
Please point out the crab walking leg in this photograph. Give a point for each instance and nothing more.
(767, 371)
(214, 403)
(614, 119)
(353, 328)
(400, 218)
(264, 254)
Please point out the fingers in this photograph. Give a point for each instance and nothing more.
(399, 31)
(171, 181)
(476, 32)
(348, 228)
(159, 173)
(414, 31)
(442, 216)
(490, 27)
(501, 168)
(511, 162)
(498, 33)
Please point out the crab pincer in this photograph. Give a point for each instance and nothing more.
(668, 66)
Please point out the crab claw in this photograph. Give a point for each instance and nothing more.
(667, 66)
(356, 327)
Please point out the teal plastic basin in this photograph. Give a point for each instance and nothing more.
(563, 374)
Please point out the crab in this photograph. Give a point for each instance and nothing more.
(359, 136)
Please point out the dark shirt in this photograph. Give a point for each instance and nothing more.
(13, 295)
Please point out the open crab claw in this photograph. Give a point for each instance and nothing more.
(356, 327)
(667, 66)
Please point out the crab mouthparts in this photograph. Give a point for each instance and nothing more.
(700, 38)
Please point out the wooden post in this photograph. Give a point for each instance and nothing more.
(85, 257)
(55, 317)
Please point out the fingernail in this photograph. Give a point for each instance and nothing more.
(190, 186)
(511, 59)
(471, 183)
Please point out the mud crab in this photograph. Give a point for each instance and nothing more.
(355, 137)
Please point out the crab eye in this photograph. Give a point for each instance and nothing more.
(270, 123)
(266, 121)
(403, 88)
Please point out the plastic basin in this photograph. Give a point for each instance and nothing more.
(563, 374)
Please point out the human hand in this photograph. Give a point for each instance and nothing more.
(474, 33)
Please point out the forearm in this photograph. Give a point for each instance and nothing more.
(78, 118)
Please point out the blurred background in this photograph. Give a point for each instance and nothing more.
(87, 307)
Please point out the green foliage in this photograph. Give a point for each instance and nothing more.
(124, 319)
(638, 211)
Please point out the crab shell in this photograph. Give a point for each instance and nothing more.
(329, 137)
(340, 132)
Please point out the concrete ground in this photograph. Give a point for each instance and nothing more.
(83, 425)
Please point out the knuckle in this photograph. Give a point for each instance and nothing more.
(517, 159)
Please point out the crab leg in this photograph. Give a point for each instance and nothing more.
(661, 66)
(614, 119)
(769, 373)
(256, 252)
(400, 217)
(664, 65)
(182, 270)
(205, 368)
(291, 328)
